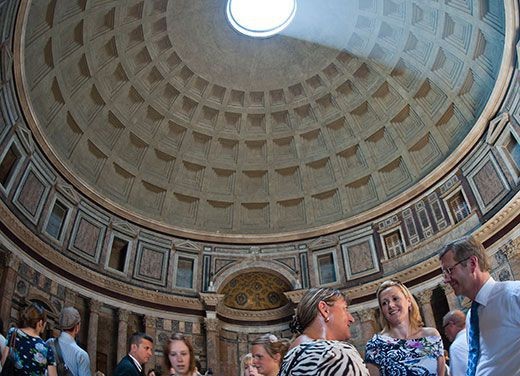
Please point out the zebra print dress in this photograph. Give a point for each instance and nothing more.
(323, 358)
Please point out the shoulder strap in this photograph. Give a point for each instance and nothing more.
(58, 350)
(12, 339)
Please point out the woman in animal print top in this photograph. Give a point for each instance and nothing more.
(323, 322)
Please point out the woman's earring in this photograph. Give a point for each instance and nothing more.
(326, 319)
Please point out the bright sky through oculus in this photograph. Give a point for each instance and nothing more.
(262, 18)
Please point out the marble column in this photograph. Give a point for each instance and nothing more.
(453, 301)
(424, 300)
(243, 345)
(512, 251)
(212, 343)
(122, 333)
(95, 308)
(70, 298)
(212, 324)
(150, 328)
(9, 283)
(368, 323)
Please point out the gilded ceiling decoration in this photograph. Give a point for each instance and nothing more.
(160, 107)
(256, 291)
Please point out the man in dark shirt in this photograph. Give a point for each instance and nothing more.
(140, 352)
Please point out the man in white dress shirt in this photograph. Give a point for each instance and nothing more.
(466, 269)
(454, 324)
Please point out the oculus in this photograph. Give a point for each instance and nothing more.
(260, 19)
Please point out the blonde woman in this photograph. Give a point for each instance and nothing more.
(248, 369)
(404, 346)
(268, 352)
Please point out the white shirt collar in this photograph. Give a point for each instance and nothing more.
(461, 332)
(136, 363)
(485, 292)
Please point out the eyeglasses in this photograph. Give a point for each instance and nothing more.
(446, 325)
(449, 269)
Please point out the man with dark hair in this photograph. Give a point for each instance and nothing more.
(140, 352)
(454, 324)
(494, 321)
(65, 348)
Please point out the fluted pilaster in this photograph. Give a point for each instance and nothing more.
(150, 325)
(424, 300)
(8, 281)
(94, 309)
(453, 301)
(122, 333)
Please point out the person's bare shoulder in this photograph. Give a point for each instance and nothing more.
(429, 332)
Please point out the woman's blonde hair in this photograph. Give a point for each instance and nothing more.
(246, 360)
(273, 345)
(415, 315)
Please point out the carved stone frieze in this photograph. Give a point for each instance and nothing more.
(295, 296)
(506, 215)
(211, 300)
(259, 316)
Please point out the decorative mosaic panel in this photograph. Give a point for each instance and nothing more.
(152, 263)
(360, 257)
(31, 194)
(256, 291)
(87, 237)
(488, 182)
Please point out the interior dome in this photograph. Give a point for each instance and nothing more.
(165, 114)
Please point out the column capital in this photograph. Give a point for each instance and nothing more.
(211, 324)
(12, 261)
(95, 306)
(149, 321)
(123, 314)
(425, 297)
(448, 290)
(211, 300)
(295, 296)
(512, 247)
(368, 314)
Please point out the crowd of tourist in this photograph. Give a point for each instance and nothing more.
(489, 346)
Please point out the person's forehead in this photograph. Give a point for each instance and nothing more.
(448, 256)
(145, 343)
(341, 302)
(178, 346)
(391, 290)
(258, 349)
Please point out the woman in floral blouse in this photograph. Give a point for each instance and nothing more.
(32, 356)
(404, 347)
